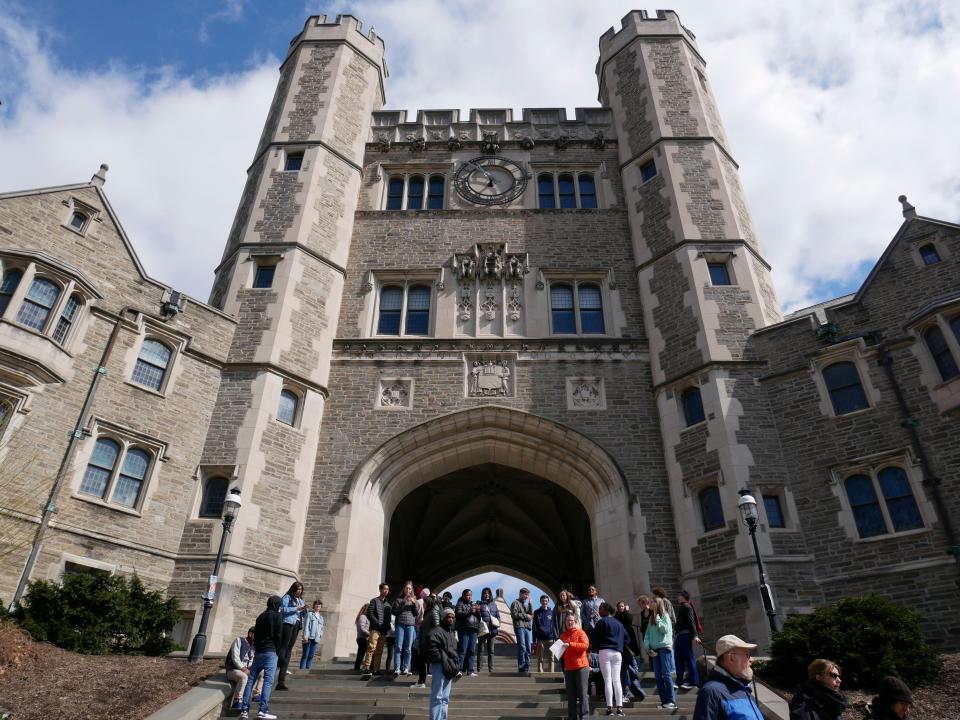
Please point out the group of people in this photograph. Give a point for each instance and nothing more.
(257, 664)
(595, 643)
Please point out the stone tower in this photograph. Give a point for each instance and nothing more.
(704, 286)
(281, 277)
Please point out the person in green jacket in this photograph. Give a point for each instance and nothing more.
(659, 641)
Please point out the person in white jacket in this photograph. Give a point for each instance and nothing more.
(237, 664)
(312, 634)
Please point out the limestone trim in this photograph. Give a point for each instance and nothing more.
(275, 250)
(394, 393)
(91, 214)
(576, 280)
(891, 569)
(748, 561)
(935, 239)
(150, 329)
(404, 279)
(854, 351)
(680, 140)
(205, 472)
(726, 245)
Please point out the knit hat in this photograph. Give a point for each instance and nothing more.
(425, 593)
(447, 611)
(893, 690)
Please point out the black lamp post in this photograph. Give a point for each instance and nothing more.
(748, 511)
(231, 506)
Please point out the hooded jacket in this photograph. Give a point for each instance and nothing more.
(724, 697)
(268, 630)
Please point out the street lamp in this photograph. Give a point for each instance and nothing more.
(748, 511)
(231, 506)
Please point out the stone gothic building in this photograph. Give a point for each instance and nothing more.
(449, 343)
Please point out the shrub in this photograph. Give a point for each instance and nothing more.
(99, 614)
(868, 637)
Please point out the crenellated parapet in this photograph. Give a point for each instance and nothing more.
(590, 126)
(638, 22)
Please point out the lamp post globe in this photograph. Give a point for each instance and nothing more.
(747, 505)
(231, 507)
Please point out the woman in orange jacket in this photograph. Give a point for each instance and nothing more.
(576, 667)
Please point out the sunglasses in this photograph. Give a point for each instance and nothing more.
(835, 676)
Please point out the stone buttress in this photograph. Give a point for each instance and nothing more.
(688, 215)
(282, 277)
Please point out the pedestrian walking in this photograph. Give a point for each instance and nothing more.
(726, 694)
(312, 635)
(819, 698)
(440, 649)
(576, 667)
(521, 611)
(659, 642)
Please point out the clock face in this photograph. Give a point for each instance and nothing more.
(490, 180)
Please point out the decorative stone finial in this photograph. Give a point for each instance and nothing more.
(909, 211)
(100, 176)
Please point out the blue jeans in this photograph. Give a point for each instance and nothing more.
(467, 648)
(267, 662)
(630, 677)
(524, 642)
(309, 650)
(662, 668)
(403, 646)
(439, 692)
(685, 657)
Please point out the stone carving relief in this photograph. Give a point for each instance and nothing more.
(418, 144)
(395, 393)
(513, 302)
(493, 278)
(490, 145)
(454, 144)
(383, 143)
(585, 393)
(489, 377)
(599, 141)
(491, 261)
(563, 142)
(489, 305)
(465, 303)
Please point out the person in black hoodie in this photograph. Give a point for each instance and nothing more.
(440, 650)
(819, 698)
(267, 640)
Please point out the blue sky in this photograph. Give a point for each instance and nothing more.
(832, 109)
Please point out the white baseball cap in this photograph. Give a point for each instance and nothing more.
(732, 642)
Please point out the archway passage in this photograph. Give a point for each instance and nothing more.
(490, 515)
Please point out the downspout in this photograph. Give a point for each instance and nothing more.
(50, 507)
(886, 362)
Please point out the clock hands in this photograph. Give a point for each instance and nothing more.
(485, 173)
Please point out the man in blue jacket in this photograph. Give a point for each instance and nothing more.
(726, 694)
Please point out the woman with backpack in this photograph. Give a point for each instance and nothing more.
(686, 633)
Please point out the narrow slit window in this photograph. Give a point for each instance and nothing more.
(866, 509)
(415, 193)
(38, 303)
(100, 468)
(263, 277)
(711, 509)
(719, 273)
(692, 402)
(545, 191)
(130, 481)
(771, 503)
(648, 171)
(391, 304)
(214, 495)
(11, 280)
(66, 319)
(568, 197)
(294, 162)
(418, 310)
(287, 409)
(588, 191)
(901, 505)
(561, 309)
(940, 350)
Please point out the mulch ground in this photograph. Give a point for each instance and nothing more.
(41, 682)
(939, 701)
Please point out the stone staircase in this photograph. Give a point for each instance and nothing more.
(336, 692)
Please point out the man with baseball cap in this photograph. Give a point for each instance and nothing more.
(726, 694)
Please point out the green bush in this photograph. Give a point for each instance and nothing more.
(99, 614)
(868, 637)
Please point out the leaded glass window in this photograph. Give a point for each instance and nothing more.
(38, 303)
(152, 364)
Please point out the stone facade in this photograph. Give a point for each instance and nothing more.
(578, 380)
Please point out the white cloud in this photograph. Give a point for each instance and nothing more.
(832, 109)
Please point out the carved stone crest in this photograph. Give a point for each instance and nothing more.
(465, 303)
(513, 302)
(527, 143)
(395, 393)
(490, 145)
(489, 305)
(490, 377)
(585, 393)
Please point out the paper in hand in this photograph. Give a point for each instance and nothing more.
(557, 649)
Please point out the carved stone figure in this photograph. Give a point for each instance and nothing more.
(492, 261)
(563, 142)
(513, 303)
(465, 266)
(418, 145)
(527, 143)
(465, 303)
(489, 305)
(489, 379)
(383, 143)
(516, 268)
(490, 145)
(599, 141)
(454, 144)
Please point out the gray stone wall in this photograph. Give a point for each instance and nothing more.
(674, 319)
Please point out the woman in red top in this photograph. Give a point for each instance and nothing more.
(576, 667)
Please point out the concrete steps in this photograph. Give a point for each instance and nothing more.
(336, 692)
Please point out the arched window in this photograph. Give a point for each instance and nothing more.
(78, 220)
(561, 309)
(65, 322)
(395, 194)
(415, 193)
(568, 196)
(692, 403)
(287, 409)
(39, 301)
(545, 197)
(940, 351)
(11, 279)
(214, 493)
(391, 304)
(955, 326)
(929, 254)
(901, 505)
(151, 367)
(588, 191)
(129, 483)
(863, 504)
(591, 309)
(843, 384)
(711, 509)
(418, 310)
(435, 192)
(100, 468)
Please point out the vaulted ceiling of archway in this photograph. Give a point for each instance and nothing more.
(490, 515)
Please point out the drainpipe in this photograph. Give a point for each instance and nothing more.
(50, 507)
(886, 362)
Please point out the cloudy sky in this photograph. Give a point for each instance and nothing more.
(833, 108)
